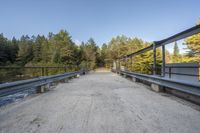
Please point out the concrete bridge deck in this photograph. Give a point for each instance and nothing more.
(100, 102)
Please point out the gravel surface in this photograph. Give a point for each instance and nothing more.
(100, 102)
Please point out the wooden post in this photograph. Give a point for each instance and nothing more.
(42, 71)
(154, 59)
(163, 60)
(47, 71)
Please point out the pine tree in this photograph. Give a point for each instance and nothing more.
(37, 49)
(176, 54)
(25, 53)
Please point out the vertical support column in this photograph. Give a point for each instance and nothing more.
(163, 60)
(114, 66)
(126, 64)
(131, 62)
(47, 71)
(119, 65)
(154, 59)
(42, 71)
(170, 72)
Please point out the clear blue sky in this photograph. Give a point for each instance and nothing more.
(101, 19)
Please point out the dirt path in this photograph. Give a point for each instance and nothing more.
(100, 102)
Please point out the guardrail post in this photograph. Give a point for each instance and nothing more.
(125, 64)
(47, 87)
(134, 79)
(40, 89)
(154, 59)
(163, 60)
(157, 88)
(78, 75)
(42, 71)
(43, 88)
(170, 72)
(66, 80)
(47, 71)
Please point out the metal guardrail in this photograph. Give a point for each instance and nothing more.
(170, 72)
(22, 85)
(180, 85)
(171, 68)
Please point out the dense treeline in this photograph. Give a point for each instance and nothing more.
(54, 50)
(60, 50)
(121, 46)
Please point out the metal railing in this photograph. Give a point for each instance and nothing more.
(156, 44)
(14, 73)
(22, 85)
(171, 68)
(160, 77)
(169, 71)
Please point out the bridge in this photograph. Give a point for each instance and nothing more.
(104, 101)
